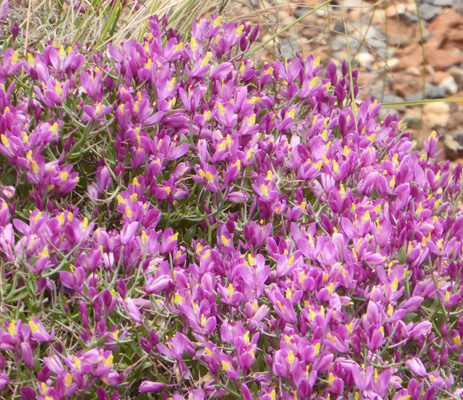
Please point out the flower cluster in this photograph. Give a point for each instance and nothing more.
(178, 218)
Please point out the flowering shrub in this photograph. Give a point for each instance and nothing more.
(175, 218)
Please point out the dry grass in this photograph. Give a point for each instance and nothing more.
(102, 22)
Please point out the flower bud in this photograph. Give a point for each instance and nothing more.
(149, 387)
(121, 288)
(103, 178)
(15, 30)
(27, 393)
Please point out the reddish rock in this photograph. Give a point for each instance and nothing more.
(411, 56)
(400, 34)
(440, 76)
(436, 114)
(455, 35)
(406, 85)
(416, 71)
(367, 79)
(445, 21)
(442, 59)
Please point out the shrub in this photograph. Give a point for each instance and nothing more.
(177, 218)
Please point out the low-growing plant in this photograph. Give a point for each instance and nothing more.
(178, 218)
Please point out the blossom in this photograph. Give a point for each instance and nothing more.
(247, 228)
(149, 387)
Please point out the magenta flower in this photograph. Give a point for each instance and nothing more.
(417, 367)
(132, 310)
(264, 234)
(91, 81)
(150, 387)
(10, 64)
(54, 93)
(39, 333)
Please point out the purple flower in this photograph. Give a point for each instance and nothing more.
(38, 331)
(132, 310)
(150, 387)
(416, 366)
(15, 30)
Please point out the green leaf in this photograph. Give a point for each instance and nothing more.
(403, 255)
(410, 317)
(17, 294)
(421, 102)
(102, 340)
(190, 234)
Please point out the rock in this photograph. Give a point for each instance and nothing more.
(311, 33)
(340, 56)
(365, 30)
(415, 97)
(284, 18)
(391, 98)
(405, 84)
(458, 7)
(387, 98)
(411, 7)
(353, 43)
(337, 44)
(429, 69)
(288, 47)
(389, 65)
(409, 19)
(415, 71)
(365, 60)
(339, 27)
(428, 12)
(442, 59)
(457, 74)
(436, 114)
(356, 14)
(453, 145)
(399, 34)
(398, 39)
(443, 3)
(433, 92)
(302, 11)
(377, 44)
(455, 35)
(368, 79)
(352, 3)
(273, 18)
(412, 121)
(449, 85)
(383, 54)
(440, 76)
(395, 9)
(379, 16)
(443, 22)
(456, 118)
(392, 63)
